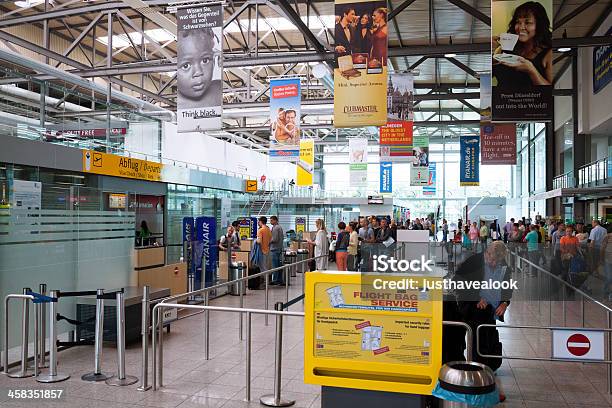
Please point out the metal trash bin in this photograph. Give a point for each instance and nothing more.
(465, 377)
(302, 255)
(237, 270)
(291, 259)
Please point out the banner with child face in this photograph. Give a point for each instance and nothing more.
(285, 114)
(360, 80)
(199, 68)
(522, 66)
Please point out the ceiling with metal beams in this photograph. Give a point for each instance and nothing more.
(267, 39)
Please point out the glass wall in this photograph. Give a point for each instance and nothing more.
(55, 229)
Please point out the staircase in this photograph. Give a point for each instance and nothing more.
(261, 204)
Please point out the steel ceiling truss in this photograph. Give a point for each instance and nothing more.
(266, 55)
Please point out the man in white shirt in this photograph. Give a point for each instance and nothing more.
(596, 239)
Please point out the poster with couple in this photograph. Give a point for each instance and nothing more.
(199, 68)
(522, 65)
(360, 78)
(285, 114)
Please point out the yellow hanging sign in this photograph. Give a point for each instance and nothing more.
(305, 166)
(119, 166)
(251, 186)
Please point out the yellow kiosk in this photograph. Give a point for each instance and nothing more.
(372, 338)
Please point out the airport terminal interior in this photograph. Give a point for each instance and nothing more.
(307, 203)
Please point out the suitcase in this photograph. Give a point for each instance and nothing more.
(255, 283)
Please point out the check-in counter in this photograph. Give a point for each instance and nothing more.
(173, 277)
(241, 256)
(150, 264)
(149, 256)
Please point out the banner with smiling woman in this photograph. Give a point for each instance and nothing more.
(522, 65)
(285, 114)
(360, 79)
(199, 68)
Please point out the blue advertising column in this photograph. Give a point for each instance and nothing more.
(188, 236)
(205, 248)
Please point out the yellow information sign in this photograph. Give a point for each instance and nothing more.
(112, 165)
(251, 186)
(357, 336)
(305, 166)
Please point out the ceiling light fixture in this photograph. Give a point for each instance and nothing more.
(450, 54)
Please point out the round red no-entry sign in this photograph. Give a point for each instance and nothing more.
(578, 344)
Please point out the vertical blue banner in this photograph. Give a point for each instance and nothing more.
(206, 247)
(254, 227)
(469, 161)
(430, 189)
(188, 236)
(386, 177)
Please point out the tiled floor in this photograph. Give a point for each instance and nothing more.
(192, 382)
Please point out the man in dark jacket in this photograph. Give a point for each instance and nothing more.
(484, 306)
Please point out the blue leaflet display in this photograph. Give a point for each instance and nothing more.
(469, 164)
(386, 177)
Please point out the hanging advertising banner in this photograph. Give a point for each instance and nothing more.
(396, 141)
(360, 79)
(485, 97)
(285, 114)
(199, 68)
(469, 152)
(400, 97)
(305, 166)
(419, 171)
(245, 228)
(386, 177)
(430, 188)
(300, 225)
(522, 66)
(498, 143)
(602, 62)
(358, 162)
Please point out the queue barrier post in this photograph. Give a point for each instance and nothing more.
(275, 400)
(144, 381)
(25, 324)
(121, 379)
(52, 376)
(23, 372)
(41, 309)
(97, 374)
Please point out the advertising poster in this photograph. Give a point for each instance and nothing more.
(366, 335)
(205, 250)
(522, 66)
(358, 162)
(400, 97)
(386, 177)
(469, 152)
(360, 79)
(430, 188)
(199, 68)
(245, 227)
(300, 225)
(602, 61)
(396, 141)
(305, 166)
(419, 176)
(419, 171)
(498, 143)
(26, 195)
(485, 97)
(285, 108)
(226, 211)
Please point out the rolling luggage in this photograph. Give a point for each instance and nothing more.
(255, 283)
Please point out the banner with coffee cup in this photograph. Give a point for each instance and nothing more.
(285, 115)
(522, 66)
(360, 79)
(199, 68)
